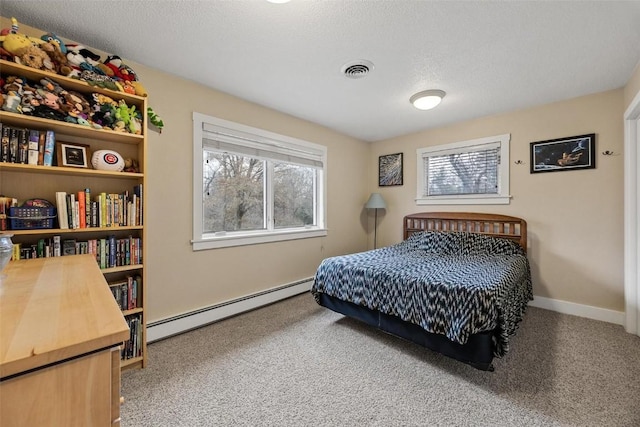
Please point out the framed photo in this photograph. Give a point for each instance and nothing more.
(564, 154)
(390, 170)
(72, 155)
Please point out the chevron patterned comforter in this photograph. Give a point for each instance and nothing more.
(450, 283)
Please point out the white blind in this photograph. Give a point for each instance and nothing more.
(472, 170)
(256, 146)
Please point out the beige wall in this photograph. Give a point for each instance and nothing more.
(180, 280)
(632, 87)
(575, 219)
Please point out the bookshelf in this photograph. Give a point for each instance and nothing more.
(24, 181)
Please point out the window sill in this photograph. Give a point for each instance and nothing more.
(462, 200)
(215, 242)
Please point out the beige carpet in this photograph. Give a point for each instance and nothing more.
(295, 363)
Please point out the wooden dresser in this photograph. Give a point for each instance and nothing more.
(60, 332)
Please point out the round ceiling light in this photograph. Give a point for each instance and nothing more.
(427, 99)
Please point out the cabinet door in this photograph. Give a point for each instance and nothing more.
(74, 393)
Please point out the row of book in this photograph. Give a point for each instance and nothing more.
(78, 210)
(110, 252)
(26, 146)
(125, 292)
(133, 347)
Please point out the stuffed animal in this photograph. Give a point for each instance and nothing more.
(131, 165)
(114, 62)
(58, 62)
(12, 94)
(103, 111)
(53, 39)
(140, 89)
(13, 41)
(75, 105)
(99, 80)
(154, 120)
(32, 56)
(124, 118)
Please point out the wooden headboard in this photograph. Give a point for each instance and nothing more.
(509, 227)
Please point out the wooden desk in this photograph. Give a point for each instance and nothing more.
(60, 331)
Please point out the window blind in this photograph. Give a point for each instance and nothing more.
(472, 170)
(255, 146)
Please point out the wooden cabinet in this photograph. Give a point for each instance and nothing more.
(23, 181)
(60, 331)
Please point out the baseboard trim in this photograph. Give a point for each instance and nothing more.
(175, 325)
(588, 311)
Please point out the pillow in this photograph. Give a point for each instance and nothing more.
(463, 243)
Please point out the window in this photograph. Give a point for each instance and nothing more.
(467, 172)
(253, 186)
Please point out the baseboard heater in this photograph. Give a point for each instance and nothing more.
(175, 325)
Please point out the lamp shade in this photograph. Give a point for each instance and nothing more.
(375, 202)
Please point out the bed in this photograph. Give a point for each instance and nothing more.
(458, 284)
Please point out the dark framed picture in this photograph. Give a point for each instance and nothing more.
(390, 170)
(72, 155)
(564, 154)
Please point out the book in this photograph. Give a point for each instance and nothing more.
(34, 138)
(69, 247)
(87, 207)
(49, 147)
(23, 146)
(4, 143)
(82, 210)
(14, 145)
(42, 136)
(57, 249)
(61, 203)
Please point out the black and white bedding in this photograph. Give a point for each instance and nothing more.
(450, 283)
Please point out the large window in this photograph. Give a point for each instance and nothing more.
(253, 186)
(467, 172)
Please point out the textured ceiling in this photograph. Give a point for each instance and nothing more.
(490, 57)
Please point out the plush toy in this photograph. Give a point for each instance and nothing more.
(125, 117)
(154, 120)
(114, 62)
(140, 89)
(32, 56)
(81, 59)
(58, 62)
(12, 94)
(99, 80)
(76, 106)
(53, 39)
(103, 111)
(13, 41)
(131, 165)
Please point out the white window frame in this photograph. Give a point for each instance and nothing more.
(501, 198)
(202, 240)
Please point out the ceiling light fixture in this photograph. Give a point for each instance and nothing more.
(427, 99)
(278, 1)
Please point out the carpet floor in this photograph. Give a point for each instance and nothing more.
(295, 363)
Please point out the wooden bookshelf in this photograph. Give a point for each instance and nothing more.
(23, 182)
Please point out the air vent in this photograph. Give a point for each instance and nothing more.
(357, 69)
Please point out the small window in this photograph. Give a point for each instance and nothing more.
(467, 172)
(253, 186)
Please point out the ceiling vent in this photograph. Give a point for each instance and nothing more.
(357, 69)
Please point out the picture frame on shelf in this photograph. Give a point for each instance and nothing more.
(390, 170)
(72, 155)
(564, 154)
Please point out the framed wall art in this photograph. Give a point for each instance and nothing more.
(72, 155)
(390, 170)
(564, 154)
